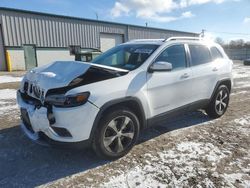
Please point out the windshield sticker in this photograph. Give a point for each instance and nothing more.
(143, 51)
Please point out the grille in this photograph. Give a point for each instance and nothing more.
(34, 91)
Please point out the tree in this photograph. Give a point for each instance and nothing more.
(239, 43)
(219, 41)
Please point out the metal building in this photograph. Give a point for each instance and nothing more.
(31, 39)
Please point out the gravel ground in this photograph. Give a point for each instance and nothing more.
(188, 151)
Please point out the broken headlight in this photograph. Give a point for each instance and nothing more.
(61, 100)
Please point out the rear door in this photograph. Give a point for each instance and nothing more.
(172, 89)
(204, 71)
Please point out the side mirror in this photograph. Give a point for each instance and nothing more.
(160, 66)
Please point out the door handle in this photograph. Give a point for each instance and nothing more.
(186, 75)
(215, 69)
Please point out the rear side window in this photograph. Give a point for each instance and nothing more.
(215, 53)
(175, 55)
(199, 54)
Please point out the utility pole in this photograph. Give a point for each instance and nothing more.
(202, 34)
(96, 14)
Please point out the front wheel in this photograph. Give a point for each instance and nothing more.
(116, 134)
(218, 105)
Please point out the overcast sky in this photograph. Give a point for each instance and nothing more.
(229, 19)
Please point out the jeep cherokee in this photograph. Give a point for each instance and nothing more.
(107, 102)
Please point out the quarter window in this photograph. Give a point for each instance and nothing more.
(199, 54)
(215, 53)
(175, 55)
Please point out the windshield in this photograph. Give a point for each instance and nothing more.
(127, 56)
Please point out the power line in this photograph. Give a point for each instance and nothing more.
(229, 33)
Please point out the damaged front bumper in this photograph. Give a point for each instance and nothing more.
(50, 124)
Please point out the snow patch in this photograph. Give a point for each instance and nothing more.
(7, 79)
(7, 109)
(241, 74)
(7, 101)
(243, 121)
(240, 71)
(174, 168)
(136, 177)
(7, 94)
(233, 178)
(238, 93)
(242, 84)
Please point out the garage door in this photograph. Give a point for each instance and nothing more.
(110, 40)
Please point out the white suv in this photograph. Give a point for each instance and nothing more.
(106, 103)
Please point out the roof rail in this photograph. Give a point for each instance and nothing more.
(183, 38)
(147, 40)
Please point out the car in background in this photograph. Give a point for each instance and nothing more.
(84, 54)
(246, 62)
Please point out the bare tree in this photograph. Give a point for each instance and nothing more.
(239, 43)
(219, 41)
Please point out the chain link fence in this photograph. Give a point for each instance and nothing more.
(238, 53)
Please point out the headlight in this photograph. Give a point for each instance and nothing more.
(61, 100)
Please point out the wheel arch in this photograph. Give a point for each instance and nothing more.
(133, 103)
(226, 82)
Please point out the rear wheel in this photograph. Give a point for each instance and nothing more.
(219, 103)
(117, 133)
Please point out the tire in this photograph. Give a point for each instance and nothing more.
(219, 103)
(116, 134)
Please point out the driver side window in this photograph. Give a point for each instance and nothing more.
(175, 55)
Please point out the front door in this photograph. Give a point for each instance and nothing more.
(172, 89)
(30, 56)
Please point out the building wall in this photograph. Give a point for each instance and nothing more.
(20, 27)
(17, 59)
(44, 56)
(153, 33)
(47, 31)
(108, 41)
(53, 31)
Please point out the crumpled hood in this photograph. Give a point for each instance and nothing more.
(60, 73)
(56, 74)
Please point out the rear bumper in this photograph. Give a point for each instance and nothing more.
(71, 124)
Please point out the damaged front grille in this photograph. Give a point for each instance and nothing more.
(30, 100)
(34, 90)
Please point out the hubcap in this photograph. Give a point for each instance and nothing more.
(221, 102)
(119, 134)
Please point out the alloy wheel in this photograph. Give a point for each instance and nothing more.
(119, 134)
(221, 102)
